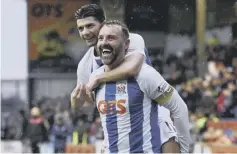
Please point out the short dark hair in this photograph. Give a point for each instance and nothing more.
(90, 10)
(119, 23)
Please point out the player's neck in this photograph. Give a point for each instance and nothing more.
(115, 64)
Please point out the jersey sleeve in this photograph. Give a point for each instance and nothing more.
(156, 88)
(80, 75)
(84, 68)
(137, 44)
(98, 71)
(154, 85)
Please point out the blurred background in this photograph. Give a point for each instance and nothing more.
(192, 43)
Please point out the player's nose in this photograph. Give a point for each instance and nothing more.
(103, 41)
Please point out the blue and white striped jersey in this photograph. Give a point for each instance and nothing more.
(128, 112)
(89, 63)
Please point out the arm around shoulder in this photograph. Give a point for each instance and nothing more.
(130, 67)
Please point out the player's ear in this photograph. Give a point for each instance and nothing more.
(127, 43)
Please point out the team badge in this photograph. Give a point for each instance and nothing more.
(121, 88)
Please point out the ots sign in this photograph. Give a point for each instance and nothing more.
(112, 107)
(46, 9)
(52, 29)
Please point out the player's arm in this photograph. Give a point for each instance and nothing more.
(131, 65)
(128, 68)
(171, 100)
(78, 97)
(159, 90)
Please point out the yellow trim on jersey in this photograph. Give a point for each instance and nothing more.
(165, 97)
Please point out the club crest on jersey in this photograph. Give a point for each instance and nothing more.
(121, 88)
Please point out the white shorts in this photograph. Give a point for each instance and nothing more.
(167, 131)
(167, 128)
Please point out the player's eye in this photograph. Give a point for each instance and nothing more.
(100, 38)
(80, 29)
(111, 37)
(90, 26)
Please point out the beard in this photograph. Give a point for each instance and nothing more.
(108, 57)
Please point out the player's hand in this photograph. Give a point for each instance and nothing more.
(90, 95)
(78, 96)
(93, 83)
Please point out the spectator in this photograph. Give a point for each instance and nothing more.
(37, 129)
(60, 133)
(82, 129)
(24, 123)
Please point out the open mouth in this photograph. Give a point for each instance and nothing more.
(106, 52)
(90, 39)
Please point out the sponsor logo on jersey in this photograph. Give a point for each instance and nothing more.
(109, 109)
